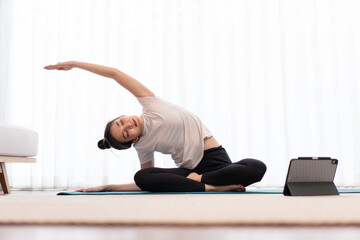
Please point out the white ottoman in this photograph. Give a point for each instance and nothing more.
(17, 144)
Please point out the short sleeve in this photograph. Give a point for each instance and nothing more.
(154, 104)
(147, 102)
(145, 157)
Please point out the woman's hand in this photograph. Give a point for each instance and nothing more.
(66, 66)
(111, 188)
(94, 189)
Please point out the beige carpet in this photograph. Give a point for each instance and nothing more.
(182, 209)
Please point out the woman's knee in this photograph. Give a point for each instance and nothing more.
(141, 177)
(257, 167)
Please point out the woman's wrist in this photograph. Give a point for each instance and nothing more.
(73, 64)
(113, 187)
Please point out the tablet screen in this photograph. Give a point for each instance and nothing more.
(312, 170)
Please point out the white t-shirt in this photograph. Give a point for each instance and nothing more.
(170, 129)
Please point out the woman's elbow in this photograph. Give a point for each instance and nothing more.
(114, 72)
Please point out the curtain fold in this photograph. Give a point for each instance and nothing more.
(272, 80)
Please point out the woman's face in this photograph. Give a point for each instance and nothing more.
(127, 128)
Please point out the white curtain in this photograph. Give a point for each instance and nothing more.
(5, 42)
(272, 80)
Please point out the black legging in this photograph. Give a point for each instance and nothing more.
(216, 169)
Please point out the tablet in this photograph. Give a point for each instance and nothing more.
(308, 176)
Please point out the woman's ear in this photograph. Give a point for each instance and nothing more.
(136, 140)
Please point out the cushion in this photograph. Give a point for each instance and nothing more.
(17, 141)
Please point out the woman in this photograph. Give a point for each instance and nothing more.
(203, 164)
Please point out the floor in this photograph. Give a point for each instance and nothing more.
(8, 232)
(78, 232)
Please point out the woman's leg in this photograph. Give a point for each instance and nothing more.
(167, 180)
(175, 180)
(244, 172)
(218, 174)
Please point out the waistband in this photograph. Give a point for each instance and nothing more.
(214, 149)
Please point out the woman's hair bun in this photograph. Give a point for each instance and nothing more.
(103, 144)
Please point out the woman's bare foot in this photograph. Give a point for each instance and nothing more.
(213, 188)
(194, 176)
(226, 188)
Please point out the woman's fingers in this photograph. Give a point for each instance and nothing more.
(50, 67)
(92, 189)
(84, 190)
(59, 66)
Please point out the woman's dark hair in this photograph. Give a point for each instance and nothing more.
(109, 141)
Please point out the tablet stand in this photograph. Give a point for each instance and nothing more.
(310, 189)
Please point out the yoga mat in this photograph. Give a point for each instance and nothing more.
(264, 191)
(145, 192)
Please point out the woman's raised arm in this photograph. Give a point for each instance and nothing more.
(129, 83)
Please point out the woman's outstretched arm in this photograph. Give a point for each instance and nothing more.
(129, 83)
